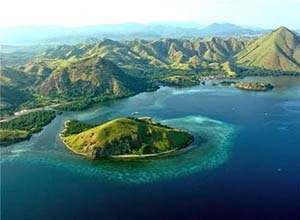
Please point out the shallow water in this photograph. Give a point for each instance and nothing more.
(248, 168)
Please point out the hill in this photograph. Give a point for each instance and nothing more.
(13, 84)
(126, 136)
(54, 76)
(159, 54)
(90, 77)
(279, 50)
(169, 52)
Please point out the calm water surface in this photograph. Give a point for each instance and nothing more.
(248, 169)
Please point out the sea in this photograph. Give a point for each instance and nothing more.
(248, 167)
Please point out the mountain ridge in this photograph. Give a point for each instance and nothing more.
(278, 50)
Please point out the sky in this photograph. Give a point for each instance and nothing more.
(259, 13)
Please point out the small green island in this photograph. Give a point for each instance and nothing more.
(123, 138)
(249, 86)
(254, 86)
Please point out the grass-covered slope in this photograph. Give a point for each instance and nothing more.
(279, 50)
(147, 55)
(126, 136)
(169, 53)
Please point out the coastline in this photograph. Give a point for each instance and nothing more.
(178, 149)
(71, 149)
(202, 81)
(28, 111)
(66, 145)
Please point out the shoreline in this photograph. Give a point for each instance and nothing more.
(65, 144)
(125, 156)
(28, 111)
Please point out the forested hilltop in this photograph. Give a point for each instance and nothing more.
(83, 74)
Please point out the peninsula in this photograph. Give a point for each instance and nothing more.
(22, 127)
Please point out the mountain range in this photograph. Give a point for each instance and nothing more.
(111, 69)
(278, 50)
(127, 31)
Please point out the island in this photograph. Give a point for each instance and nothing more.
(254, 86)
(249, 86)
(123, 138)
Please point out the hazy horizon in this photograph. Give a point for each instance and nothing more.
(173, 23)
(266, 14)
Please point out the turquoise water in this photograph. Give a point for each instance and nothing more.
(250, 161)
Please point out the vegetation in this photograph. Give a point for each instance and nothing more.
(13, 84)
(88, 78)
(125, 136)
(12, 98)
(24, 126)
(12, 136)
(32, 122)
(227, 83)
(76, 106)
(75, 127)
(181, 81)
(85, 74)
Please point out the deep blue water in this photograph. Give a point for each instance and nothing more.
(248, 169)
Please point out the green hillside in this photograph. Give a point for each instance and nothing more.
(126, 136)
(168, 53)
(279, 50)
(148, 55)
